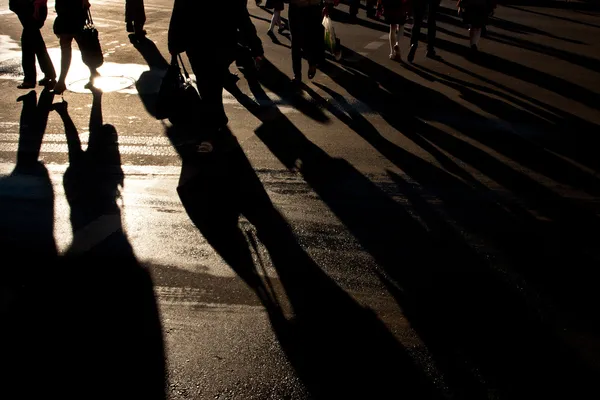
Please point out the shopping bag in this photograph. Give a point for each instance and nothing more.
(178, 100)
(332, 43)
(89, 44)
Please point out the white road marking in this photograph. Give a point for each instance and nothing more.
(374, 45)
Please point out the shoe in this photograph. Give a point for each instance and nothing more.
(271, 35)
(433, 55)
(474, 48)
(411, 53)
(26, 85)
(312, 71)
(281, 29)
(140, 33)
(205, 147)
(47, 82)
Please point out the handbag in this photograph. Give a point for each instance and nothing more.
(89, 44)
(178, 100)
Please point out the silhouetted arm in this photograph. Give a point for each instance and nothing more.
(96, 113)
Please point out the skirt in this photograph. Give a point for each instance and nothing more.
(70, 17)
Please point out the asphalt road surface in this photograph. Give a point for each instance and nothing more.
(392, 231)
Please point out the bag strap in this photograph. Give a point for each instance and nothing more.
(89, 15)
(185, 73)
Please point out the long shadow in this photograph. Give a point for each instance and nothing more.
(279, 83)
(482, 299)
(29, 255)
(567, 135)
(426, 103)
(527, 74)
(536, 12)
(109, 334)
(450, 16)
(532, 118)
(590, 63)
(148, 85)
(338, 348)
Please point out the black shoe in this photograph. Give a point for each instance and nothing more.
(312, 71)
(411, 53)
(271, 34)
(47, 82)
(281, 29)
(474, 49)
(26, 85)
(433, 55)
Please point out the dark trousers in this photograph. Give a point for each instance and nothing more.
(32, 46)
(355, 5)
(135, 13)
(420, 6)
(307, 36)
(210, 79)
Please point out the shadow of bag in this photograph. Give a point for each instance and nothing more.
(178, 100)
(89, 44)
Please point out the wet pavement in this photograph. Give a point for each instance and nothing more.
(418, 231)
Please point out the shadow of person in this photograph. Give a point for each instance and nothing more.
(338, 348)
(148, 85)
(271, 78)
(29, 254)
(114, 344)
(440, 275)
(532, 118)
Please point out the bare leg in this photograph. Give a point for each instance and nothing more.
(393, 42)
(65, 62)
(474, 35)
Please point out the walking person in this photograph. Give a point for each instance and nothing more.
(135, 17)
(305, 17)
(355, 5)
(71, 16)
(192, 30)
(475, 14)
(32, 16)
(277, 6)
(395, 13)
(419, 8)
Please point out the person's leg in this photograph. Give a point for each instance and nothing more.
(210, 79)
(393, 41)
(297, 33)
(65, 62)
(28, 56)
(44, 58)
(316, 35)
(93, 71)
(354, 5)
(275, 20)
(434, 6)
(418, 14)
(474, 36)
